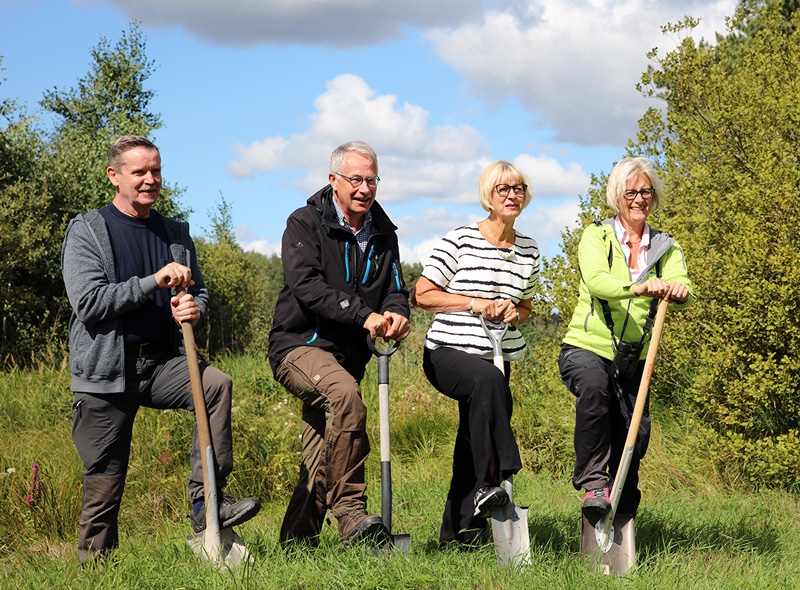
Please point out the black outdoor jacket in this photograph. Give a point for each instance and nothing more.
(328, 293)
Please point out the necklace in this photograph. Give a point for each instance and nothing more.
(632, 242)
(505, 253)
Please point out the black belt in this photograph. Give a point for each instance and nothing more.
(144, 349)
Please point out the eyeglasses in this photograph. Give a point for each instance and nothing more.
(647, 193)
(355, 182)
(504, 189)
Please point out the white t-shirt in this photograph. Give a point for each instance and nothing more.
(465, 263)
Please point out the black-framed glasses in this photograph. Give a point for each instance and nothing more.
(356, 181)
(647, 193)
(504, 189)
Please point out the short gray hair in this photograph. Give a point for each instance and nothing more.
(337, 157)
(125, 143)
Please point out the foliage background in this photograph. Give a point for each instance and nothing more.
(725, 390)
(721, 475)
(726, 141)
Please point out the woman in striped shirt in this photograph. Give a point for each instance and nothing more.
(483, 269)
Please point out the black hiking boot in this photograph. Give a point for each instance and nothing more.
(232, 512)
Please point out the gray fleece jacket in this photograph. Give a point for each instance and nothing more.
(97, 346)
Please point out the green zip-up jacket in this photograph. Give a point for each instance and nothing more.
(588, 329)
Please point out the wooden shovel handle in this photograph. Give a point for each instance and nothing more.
(644, 384)
(201, 415)
(641, 401)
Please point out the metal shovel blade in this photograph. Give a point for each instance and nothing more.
(510, 532)
(401, 542)
(620, 556)
(218, 546)
(511, 539)
(226, 549)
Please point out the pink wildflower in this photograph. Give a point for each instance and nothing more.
(36, 487)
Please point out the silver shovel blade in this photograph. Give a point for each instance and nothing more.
(511, 538)
(401, 542)
(620, 556)
(226, 550)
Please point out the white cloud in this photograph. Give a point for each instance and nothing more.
(415, 159)
(441, 163)
(432, 222)
(545, 222)
(338, 23)
(573, 64)
(252, 243)
(419, 164)
(419, 253)
(548, 178)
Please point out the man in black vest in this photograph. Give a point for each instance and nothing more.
(122, 265)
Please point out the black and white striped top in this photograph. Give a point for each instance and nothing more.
(465, 263)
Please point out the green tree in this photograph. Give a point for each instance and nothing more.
(26, 237)
(110, 101)
(48, 176)
(751, 17)
(243, 287)
(728, 145)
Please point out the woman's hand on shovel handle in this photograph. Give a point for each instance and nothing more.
(661, 289)
(678, 292)
(655, 288)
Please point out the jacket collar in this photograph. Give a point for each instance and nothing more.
(660, 242)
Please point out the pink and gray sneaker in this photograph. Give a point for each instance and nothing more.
(596, 502)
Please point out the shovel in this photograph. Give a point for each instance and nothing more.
(509, 523)
(215, 545)
(608, 543)
(401, 541)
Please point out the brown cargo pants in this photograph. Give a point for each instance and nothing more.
(335, 444)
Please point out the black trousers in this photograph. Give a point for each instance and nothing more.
(102, 425)
(485, 450)
(600, 423)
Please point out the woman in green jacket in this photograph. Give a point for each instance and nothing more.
(626, 267)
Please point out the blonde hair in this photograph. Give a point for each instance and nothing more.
(626, 169)
(493, 174)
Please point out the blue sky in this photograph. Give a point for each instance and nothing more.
(255, 94)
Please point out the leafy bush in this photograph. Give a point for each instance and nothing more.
(729, 148)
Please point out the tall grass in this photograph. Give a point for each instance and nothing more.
(691, 531)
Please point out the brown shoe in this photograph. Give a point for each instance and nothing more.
(359, 526)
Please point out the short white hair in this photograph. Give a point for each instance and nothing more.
(337, 157)
(626, 169)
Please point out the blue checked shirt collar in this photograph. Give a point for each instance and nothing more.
(363, 234)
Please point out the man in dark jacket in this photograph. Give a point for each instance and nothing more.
(343, 280)
(121, 266)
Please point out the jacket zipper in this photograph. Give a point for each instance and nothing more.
(369, 259)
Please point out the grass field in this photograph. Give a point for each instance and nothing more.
(692, 532)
